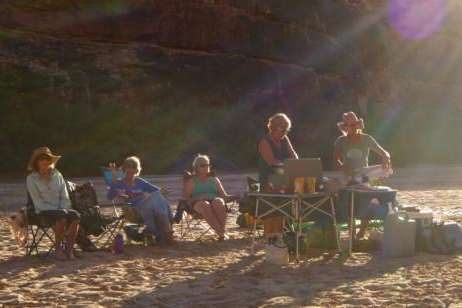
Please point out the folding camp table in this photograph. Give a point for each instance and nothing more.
(296, 208)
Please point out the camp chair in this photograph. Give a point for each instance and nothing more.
(132, 222)
(190, 220)
(103, 228)
(41, 232)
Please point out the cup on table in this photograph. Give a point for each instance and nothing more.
(299, 185)
(310, 184)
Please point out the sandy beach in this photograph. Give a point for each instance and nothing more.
(225, 274)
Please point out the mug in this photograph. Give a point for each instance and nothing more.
(310, 185)
(299, 184)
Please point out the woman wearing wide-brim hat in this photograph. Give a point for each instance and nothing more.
(352, 148)
(47, 189)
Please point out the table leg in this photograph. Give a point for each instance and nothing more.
(334, 218)
(254, 229)
(298, 219)
(352, 224)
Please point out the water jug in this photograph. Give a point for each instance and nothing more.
(118, 244)
(399, 235)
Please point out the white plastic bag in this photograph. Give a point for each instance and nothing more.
(277, 254)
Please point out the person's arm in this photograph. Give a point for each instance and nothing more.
(375, 147)
(188, 188)
(113, 169)
(146, 186)
(266, 153)
(64, 200)
(114, 190)
(37, 199)
(221, 190)
(337, 156)
(292, 153)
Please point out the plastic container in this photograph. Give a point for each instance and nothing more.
(277, 254)
(118, 244)
(399, 235)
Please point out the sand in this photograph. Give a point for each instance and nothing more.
(225, 274)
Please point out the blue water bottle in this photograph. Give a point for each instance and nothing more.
(119, 244)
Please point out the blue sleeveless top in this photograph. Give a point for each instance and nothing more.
(280, 153)
(206, 188)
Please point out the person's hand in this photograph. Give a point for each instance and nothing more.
(113, 168)
(121, 199)
(386, 163)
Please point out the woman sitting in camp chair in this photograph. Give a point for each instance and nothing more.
(49, 195)
(206, 195)
(145, 198)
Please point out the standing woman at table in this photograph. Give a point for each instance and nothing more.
(351, 151)
(273, 149)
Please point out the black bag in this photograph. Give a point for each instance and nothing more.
(434, 240)
(84, 200)
(247, 205)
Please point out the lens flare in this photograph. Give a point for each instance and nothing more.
(417, 19)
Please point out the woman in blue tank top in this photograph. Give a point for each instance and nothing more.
(275, 147)
(206, 195)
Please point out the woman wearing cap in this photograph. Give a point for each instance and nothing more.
(275, 147)
(351, 151)
(146, 199)
(206, 195)
(48, 192)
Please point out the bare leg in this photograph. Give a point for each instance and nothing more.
(59, 229)
(205, 210)
(219, 210)
(72, 232)
(362, 228)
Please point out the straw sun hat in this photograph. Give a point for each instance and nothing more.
(39, 152)
(350, 119)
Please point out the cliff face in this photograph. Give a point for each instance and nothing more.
(70, 63)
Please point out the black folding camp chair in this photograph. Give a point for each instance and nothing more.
(93, 222)
(40, 235)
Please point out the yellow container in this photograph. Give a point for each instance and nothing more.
(250, 219)
(310, 185)
(299, 184)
